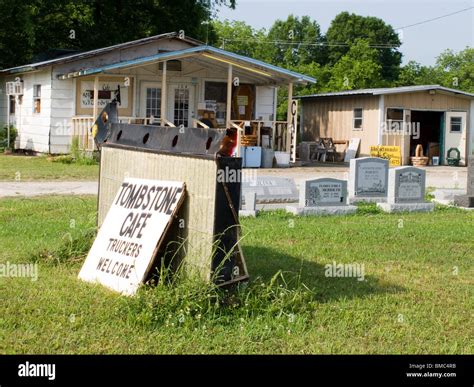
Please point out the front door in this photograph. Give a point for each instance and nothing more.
(181, 104)
(455, 134)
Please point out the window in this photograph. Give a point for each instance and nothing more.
(456, 124)
(36, 98)
(215, 91)
(12, 104)
(357, 118)
(181, 106)
(394, 119)
(153, 102)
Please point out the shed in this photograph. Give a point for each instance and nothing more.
(437, 117)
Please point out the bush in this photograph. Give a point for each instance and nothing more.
(4, 137)
(75, 156)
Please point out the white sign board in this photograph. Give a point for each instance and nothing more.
(351, 151)
(129, 238)
(106, 93)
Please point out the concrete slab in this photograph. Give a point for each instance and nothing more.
(321, 211)
(406, 207)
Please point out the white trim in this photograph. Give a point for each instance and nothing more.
(470, 129)
(382, 115)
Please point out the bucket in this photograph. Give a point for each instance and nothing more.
(282, 159)
(267, 158)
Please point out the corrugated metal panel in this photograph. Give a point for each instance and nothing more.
(334, 118)
(387, 90)
(200, 178)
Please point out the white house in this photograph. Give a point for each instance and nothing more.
(169, 79)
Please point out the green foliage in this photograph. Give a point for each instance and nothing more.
(357, 69)
(191, 304)
(4, 137)
(454, 70)
(283, 35)
(347, 28)
(34, 26)
(76, 155)
(457, 69)
(238, 37)
(73, 248)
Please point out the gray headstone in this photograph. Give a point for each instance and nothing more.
(468, 199)
(470, 176)
(368, 178)
(250, 201)
(323, 192)
(406, 185)
(269, 189)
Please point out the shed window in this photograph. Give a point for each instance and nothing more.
(357, 118)
(456, 124)
(394, 119)
(36, 98)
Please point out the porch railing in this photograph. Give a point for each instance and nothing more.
(278, 133)
(277, 130)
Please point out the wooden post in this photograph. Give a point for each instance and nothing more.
(96, 98)
(8, 120)
(163, 95)
(288, 117)
(229, 106)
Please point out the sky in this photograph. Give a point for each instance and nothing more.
(422, 43)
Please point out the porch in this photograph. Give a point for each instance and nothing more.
(192, 88)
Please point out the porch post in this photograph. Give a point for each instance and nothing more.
(229, 106)
(288, 118)
(164, 94)
(96, 98)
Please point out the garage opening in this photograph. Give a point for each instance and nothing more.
(426, 129)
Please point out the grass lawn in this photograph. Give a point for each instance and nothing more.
(417, 297)
(29, 168)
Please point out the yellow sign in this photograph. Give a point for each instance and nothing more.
(391, 153)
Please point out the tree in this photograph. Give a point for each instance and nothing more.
(238, 37)
(295, 41)
(357, 69)
(413, 73)
(16, 33)
(32, 26)
(346, 28)
(456, 70)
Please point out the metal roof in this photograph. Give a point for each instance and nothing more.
(98, 51)
(213, 53)
(387, 90)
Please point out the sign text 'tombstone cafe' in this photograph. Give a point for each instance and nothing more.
(130, 235)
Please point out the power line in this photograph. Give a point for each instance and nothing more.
(435, 18)
(284, 42)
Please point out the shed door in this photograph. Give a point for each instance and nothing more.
(455, 134)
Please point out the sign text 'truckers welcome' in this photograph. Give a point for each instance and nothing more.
(129, 237)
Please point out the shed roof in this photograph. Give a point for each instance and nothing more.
(388, 90)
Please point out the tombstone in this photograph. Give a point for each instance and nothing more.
(269, 189)
(324, 196)
(368, 180)
(468, 199)
(249, 205)
(406, 191)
